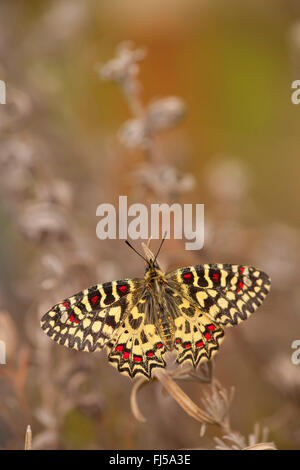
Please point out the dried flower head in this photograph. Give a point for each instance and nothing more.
(217, 403)
(58, 192)
(123, 69)
(18, 163)
(164, 179)
(39, 221)
(133, 134)
(164, 113)
(255, 441)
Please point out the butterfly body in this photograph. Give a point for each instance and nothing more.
(138, 320)
(163, 316)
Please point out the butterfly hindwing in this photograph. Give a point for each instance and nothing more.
(196, 336)
(89, 319)
(137, 347)
(227, 293)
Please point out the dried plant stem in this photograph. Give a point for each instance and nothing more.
(133, 400)
(28, 438)
(182, 398)
(262, 446)
(134, 103)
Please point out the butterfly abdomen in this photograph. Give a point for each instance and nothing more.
(162, 314)
(166, 328)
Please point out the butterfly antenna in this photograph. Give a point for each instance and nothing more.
(161, 244)
(130, 246)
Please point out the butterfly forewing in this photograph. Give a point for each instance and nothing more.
(89, 319)
(208, 298)
(227, 293)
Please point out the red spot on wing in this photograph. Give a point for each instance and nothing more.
(199, 344)
(120, 347)
(242, 270)
(177, 340)
(159, 345)
(187, 345)
(126, 355)
(187, 276)
(94, 299)
(76, 321)
(207, 336)
(150, 354)
(241, 285)
(211, 327)
(137, 359)
(71, 318)
(66, 304)
(123, 288)
(216, 276)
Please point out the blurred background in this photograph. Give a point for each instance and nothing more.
(196, 109)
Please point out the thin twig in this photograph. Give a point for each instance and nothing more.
(133, 399)
(182, 398)
(28, 438)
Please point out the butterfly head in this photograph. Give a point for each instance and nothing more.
(153, 271)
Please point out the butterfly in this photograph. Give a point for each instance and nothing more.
(138, 320)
